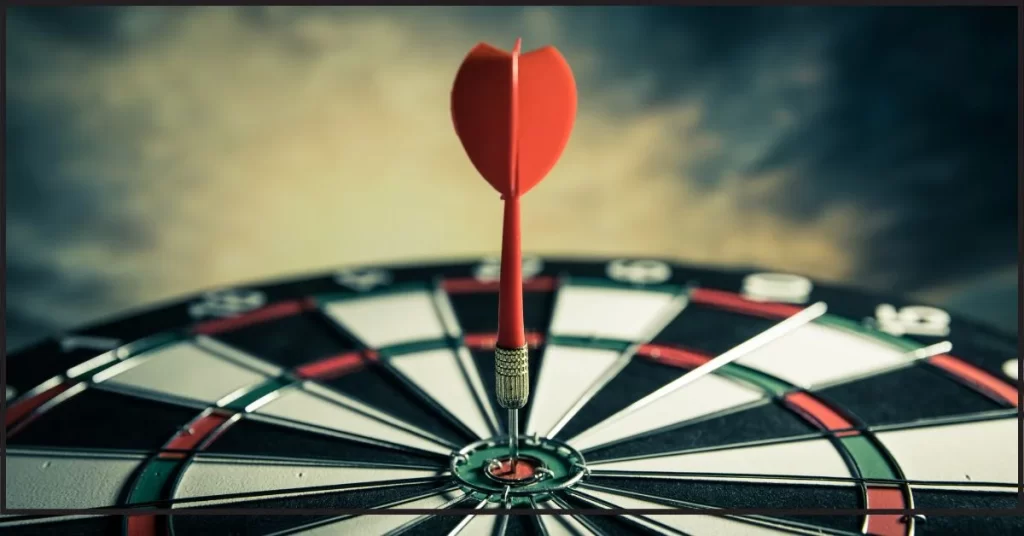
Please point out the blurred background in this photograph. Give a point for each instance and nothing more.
(153, 152)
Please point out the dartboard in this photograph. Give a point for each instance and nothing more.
(294, 407)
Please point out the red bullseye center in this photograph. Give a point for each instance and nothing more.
(524, 469)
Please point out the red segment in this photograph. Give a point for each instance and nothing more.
(18, 411)
(487, 341)
(977, 378)
(886, 524)
(525, 468)
(194, 434)
(816, 412)
(736, 303)
(675, 357)
(266, 314)
(469, 285)
(144, 526)
(332, 367)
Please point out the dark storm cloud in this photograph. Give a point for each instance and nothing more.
(921, 120)
(914, 117)
(47, 209)
(909, 113)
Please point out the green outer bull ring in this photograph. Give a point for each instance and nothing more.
(561, 467)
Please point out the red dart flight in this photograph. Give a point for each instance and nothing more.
(514, 113)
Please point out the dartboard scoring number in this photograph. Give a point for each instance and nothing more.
(639, 272)
(1012, 369)
(224, 303)
(912, 320)
(362, 280)
(772, 287)
(71, 343)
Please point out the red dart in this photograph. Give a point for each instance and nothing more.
(513, 113)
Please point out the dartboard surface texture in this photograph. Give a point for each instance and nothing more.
(297, 401)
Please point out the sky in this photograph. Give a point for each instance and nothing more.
(155, 152)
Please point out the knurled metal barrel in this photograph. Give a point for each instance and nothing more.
(512, 376)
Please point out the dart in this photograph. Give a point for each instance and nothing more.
(513, 113)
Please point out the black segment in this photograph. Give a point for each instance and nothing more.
(748, 495)
(477, 312)
(96, 418)
(262, 439)
(605, 525)
(380, 389)
(710, 330)
(766, 421)
(968, 525)
(907, 395)
(439, 524)
(638, 379)
(521, 525)
(484, 360)
(102, 526)
(257, 523)
(42, 362)
(289, 341)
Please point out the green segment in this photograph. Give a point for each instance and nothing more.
(476, 483)
(846, 324)
(153, 481)
(414, 347)
(585, 342)
(608, 283)
(869, 460)
(245, 399)
(759, 379)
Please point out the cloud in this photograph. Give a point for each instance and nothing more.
(216, 146)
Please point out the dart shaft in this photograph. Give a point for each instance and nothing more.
(513, 434)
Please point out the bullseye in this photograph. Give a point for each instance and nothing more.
(525, 470)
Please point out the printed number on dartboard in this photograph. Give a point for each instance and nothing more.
(639, 271)
(225, 303)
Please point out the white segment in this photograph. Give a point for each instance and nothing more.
(610, 313)
(482, 525)
(371, 524)
(705, 396)
(10, 392)
(305, 407)
(816, 355)
(984, 451)
(42, 480)
(183, 370)
(813, 457)
(1012, 369)
(389, 319)
(206, 477)
(694, 525)
(231, 353)
(438, 374)
(566, 373)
